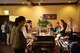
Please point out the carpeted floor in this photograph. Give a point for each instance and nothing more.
(8, 49)
(5, 49)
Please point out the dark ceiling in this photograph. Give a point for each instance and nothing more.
(55, 1)
(38, 2)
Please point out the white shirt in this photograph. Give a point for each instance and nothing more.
(3, 28)
(26, 35)
(23, 29)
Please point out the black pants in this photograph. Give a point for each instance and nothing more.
(19, 50)
(4, 37)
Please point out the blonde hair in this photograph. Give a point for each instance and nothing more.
(72, 25)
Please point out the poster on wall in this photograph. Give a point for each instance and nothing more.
(50, 16)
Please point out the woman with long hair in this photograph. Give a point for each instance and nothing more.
(63, 26)
(71, 29)
(19, 35)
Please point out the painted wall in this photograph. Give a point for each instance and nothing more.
(35, 12)
(79, 13)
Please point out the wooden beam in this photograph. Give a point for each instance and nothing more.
(77, 1)
(35, 4)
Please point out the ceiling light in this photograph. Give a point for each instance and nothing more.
(69, 1)
(23, 2)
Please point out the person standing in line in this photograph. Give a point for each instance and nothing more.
(3, 33)
(19, 35)
(13, 31)
(8, 31)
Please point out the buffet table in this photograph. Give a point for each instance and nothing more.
(44, 44)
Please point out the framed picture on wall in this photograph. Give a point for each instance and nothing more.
(50, 16)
